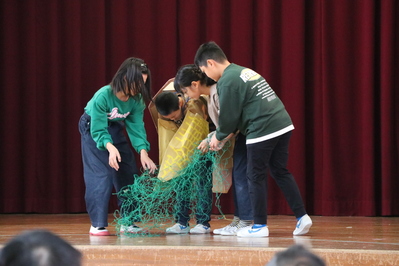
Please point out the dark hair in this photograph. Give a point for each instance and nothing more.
(189, 73)
(39, 248)
(129, 78)
(296, 255)
(209, 50)
(167, 102)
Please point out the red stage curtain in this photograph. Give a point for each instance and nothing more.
(333, 63)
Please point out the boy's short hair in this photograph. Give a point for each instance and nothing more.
(167, 102)
(39, 248)
(209, 50)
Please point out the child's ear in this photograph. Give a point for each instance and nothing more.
(194, 84)
(181, 102)
(210, 62)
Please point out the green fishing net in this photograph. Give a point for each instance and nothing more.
(154, 204)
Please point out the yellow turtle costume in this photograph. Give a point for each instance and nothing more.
(178, 143)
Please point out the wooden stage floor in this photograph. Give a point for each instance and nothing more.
(338, 240)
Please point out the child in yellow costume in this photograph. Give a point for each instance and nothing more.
(191, 81)
(222, 177)
(182, 124)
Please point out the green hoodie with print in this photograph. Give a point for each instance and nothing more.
(105, 107)
(249, 104)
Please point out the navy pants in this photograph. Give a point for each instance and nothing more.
(202, 190)
(271, 154)
(99, 177)
(242, 201)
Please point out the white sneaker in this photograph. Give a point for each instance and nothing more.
(200, 229)
(98, 231)
(133, 229)
(178, 229)
(303, 225)
(253, 231)
(227, 227)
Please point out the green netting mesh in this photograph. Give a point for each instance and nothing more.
(155, 203)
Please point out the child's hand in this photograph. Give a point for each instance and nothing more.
(204, 147)
(146, 162)
(114, 156)
(214, 144)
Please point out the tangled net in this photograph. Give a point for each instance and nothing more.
(156, 203)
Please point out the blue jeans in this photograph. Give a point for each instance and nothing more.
(272, 154)
(203, 196)
(99, 177)
(242, 201)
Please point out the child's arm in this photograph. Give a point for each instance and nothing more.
(216, 145)
(114, 156)
(146, 162)
(135, 128)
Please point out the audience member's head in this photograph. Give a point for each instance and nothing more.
(296, 255)
(39, 248)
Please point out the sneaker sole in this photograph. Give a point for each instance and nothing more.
(100, 234)
(135, 232)
(254, 234)
(199, 233)
(228, 234)
(176, 233)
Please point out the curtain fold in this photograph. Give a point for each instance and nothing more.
(333, 63)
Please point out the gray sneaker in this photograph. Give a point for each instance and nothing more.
(178, 229)
(227, 227)
(232, 231)
(132, 229)
(200, 229)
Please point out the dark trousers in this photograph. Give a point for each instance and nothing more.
(199, 193)
(242, 201)
(272, 154)
(99, 177)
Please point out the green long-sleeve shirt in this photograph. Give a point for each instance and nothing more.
(249, 104)
(105, 107)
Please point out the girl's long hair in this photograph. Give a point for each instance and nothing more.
(129, 79)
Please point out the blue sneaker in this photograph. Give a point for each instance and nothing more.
(303, 225)
(178, 229)
(256, 230)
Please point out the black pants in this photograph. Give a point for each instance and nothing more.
(271, 154)
(242, 201)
